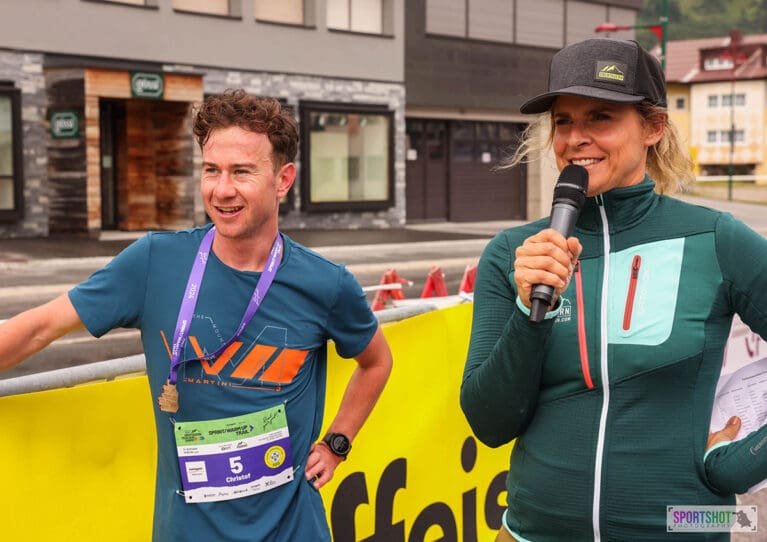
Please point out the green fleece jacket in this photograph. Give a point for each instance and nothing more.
(610, 397)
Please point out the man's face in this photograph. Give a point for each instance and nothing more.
(241, 187)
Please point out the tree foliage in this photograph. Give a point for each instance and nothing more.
(689, 19)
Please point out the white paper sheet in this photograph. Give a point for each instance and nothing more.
(742, 393)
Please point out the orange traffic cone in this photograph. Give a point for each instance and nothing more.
(390, 287)
(435, 283)
(467, 282)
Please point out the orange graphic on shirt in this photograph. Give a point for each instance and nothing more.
(263, 363)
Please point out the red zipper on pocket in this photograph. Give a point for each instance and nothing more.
(582, 327)
(635, 264)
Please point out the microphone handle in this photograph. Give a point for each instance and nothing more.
(563, 219)
(540, 300)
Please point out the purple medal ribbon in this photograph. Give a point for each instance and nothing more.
(192, 292)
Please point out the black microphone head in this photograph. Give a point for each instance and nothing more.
(572, 185)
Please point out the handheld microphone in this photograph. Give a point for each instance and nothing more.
(569, 196)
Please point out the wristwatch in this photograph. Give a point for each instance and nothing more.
(338, 443)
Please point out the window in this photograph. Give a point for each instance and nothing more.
(540, 23)
(491, 20)
(680, 104)
(10, 153)
(713, 100)
(446, 17)
(348, 162)
(711, 136)
(366, 16)
(740, 136)
(209, 7)
(284, 11)
(481, 142)
(582, 18)
(717, 63)
(134, 2)
(740, 99)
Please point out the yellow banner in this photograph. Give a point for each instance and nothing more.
(415, 471)
(79, 463)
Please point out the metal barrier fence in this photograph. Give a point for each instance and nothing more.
(115, 368)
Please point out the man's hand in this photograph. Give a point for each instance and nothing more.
(321, 464)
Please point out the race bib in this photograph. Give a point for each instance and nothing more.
(234, 457)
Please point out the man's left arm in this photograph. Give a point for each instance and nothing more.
(364, 387)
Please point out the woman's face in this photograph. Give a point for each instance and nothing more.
(609, 139)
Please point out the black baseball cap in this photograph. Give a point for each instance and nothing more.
(603, 69)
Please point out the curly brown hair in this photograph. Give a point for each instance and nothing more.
(253, 113)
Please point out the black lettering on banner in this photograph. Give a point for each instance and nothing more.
(493, 510)
(353, 492)
(437, 513)
(469, 499)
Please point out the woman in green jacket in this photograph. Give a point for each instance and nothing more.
(609, 397)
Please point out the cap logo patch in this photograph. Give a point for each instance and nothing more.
(614, 72)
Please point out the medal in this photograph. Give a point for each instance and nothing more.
(168, 399)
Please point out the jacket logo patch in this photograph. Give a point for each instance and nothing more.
(565, 311)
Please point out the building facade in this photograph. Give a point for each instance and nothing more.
(717, 93)
(96, 101)
(470, 64)
(405, 108)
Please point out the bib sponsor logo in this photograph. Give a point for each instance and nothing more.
(274, 457)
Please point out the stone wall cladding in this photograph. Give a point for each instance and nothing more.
(25, 70)
(297, 88)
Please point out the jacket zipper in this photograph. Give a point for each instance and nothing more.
(635, 264)
(582, 327)
(599, 455)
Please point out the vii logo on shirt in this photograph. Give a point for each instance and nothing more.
(261, 365)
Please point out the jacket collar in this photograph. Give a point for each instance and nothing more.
(625, 207)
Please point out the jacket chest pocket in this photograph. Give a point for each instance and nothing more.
(643, 288)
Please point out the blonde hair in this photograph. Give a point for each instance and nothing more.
(668, 163)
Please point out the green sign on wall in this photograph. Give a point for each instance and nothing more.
(65, 124)
(147, 85)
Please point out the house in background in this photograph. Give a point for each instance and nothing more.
(713, 94)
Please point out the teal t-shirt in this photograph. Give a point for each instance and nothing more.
(279, 359)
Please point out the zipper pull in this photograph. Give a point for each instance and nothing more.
(635, 265)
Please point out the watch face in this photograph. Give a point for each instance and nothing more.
(339, 444)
